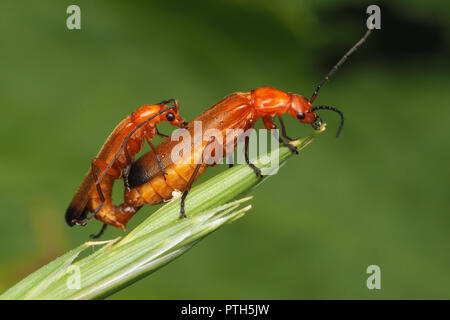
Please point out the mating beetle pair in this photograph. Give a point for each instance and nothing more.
(153, 178)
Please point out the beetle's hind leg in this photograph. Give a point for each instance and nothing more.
(192, 179)
(100, 233)
(255, 168)
(126, 170)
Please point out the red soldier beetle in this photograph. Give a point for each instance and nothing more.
(114, 161)
(236, 111)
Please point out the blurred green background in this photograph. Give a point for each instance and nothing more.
(378, 195)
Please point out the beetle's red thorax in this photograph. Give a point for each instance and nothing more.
(269, 101)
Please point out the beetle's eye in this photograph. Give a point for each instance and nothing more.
(170, 116)
(301, 116)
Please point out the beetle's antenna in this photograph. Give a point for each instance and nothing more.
(100, 178)
(340, 63)
(335, 110)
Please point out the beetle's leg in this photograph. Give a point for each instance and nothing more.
(192, 178)
(255, 168)
(131, 148)
(158, 159)
(126, 170)
(84, 221)
(285, 143)
(98, 235)
(185, 193)
(89, 217)
(162, 135)
(283, 130)
(97, 163)
(269, 125)
(102, 165)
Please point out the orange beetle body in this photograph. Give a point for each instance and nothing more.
(153, 177)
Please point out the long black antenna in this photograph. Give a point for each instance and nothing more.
(335, 110)
(336, 67)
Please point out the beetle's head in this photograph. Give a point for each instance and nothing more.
(301, 109)
(172, 116)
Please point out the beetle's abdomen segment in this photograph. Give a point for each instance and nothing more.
(158, 190)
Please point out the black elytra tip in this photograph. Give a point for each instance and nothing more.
(138, 175)
(73, 215)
